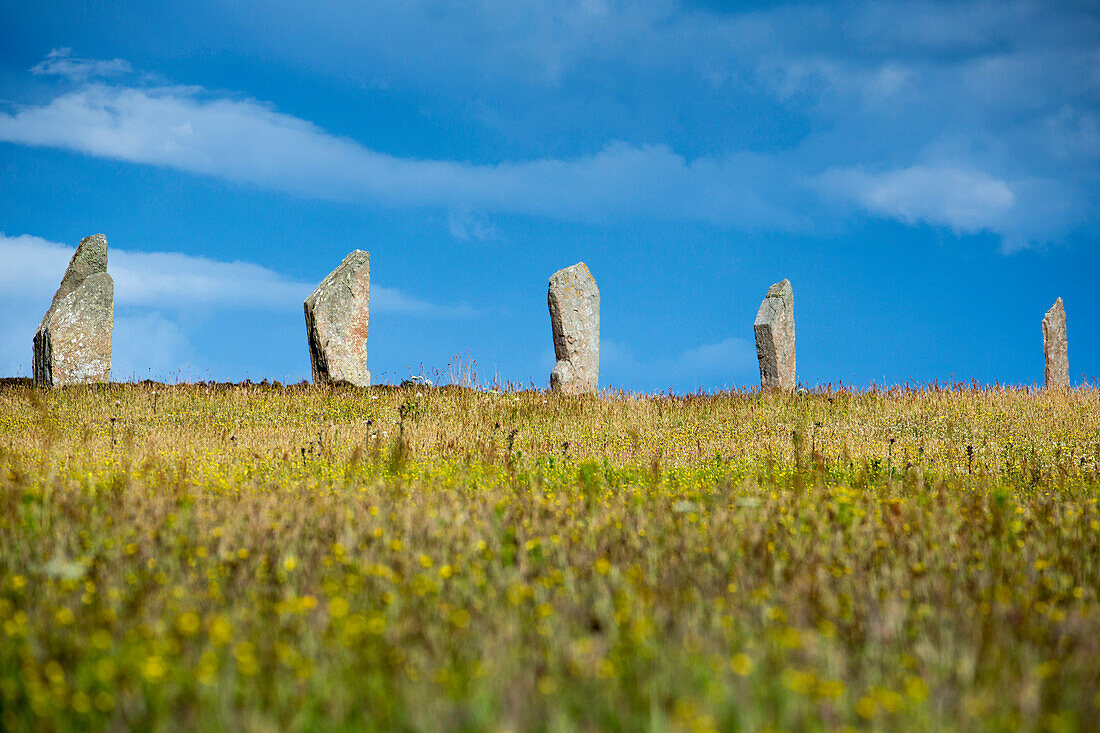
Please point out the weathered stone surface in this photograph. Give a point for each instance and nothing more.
(574, 303)
(73, 343)
(337, 315)
(774, 329)
(1055, 346)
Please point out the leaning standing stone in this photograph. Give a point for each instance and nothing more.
(574, 303)
(73, 343)
(1055, 346)
(774, 329)
(336, 323)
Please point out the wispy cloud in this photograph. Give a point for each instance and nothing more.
(149, 279)
(877, 98)
(716, 365)
(162, 300)
(393, 300)
(246, 141)
(966, 201)
(61, 62)
(173, 281)
(471, 226)
(730, 356)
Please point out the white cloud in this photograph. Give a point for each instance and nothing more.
(967, 201)
(161, 298)
(173, 281)
(149, 279)
(246, 141)
(887, 85)
(61, 62)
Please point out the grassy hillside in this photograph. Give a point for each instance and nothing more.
(262, 558)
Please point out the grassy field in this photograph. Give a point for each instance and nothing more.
(271, 558)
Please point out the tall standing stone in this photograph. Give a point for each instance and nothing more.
(774, 329)
(337, 316)
(73, 343)
(1055, 346)
(574, 303)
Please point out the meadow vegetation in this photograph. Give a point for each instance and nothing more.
(203, 557)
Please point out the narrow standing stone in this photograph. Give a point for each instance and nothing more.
(337, 315)
(774, 329)
(73, 343)
(574, 303)
(1055, 346)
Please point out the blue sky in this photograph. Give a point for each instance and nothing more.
(926, 174)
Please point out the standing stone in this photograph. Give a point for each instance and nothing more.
(336, 323)
(574, 303)
(1055, 346)
(774, 329)
(73, 343)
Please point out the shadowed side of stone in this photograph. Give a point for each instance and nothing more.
(337, 318)
(574, 302)
(1056, 346)
(73, 342)
(774, 329)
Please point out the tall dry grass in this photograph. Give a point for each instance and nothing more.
(295, 558)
